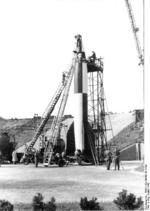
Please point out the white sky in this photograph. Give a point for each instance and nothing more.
(36, 44)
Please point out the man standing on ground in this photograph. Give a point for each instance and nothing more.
(36, 158)
(14, 157)
(117, 159)
(109, 160)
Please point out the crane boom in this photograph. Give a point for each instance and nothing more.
(135, 30)
(55, 127)
(47, 114)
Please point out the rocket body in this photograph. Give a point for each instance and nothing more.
(81, 105)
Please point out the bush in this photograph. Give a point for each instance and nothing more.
(128, 201)
(6, 206)
(37, 202)
(50, 206)
(39, 205)
(92, 204)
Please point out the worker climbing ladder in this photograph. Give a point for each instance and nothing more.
(55, 127)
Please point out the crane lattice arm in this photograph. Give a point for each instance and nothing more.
(47, 114)
(55, 127)
(135, 29)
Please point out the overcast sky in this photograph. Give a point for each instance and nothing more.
(36, 44)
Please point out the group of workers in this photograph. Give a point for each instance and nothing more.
(110, 158)
(57, 158)
(60, 159)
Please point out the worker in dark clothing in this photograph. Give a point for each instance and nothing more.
(63, 78)
(61, 161)
(78, 156)
(78, 44)
(117, 159)
(109, 160)
(92, 58)
(57, 157)
(36, 158)
(0, 158)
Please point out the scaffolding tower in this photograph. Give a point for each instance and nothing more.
(96, 106)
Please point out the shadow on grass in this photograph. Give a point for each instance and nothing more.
(67, 206)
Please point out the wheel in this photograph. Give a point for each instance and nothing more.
(26, 161)
(61, 163)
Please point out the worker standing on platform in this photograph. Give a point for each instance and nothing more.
(92, 58)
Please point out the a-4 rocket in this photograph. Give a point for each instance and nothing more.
(81, 96)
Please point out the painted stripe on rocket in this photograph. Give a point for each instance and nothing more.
(85, 107)
(80, 78)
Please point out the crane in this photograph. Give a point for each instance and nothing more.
(62, 86)
(48, 112)
(55, 127)
(135, 29)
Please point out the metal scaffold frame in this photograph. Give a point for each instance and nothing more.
(96, 108)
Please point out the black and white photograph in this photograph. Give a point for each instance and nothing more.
(75, 106)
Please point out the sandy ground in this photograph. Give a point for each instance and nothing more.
(19, 183)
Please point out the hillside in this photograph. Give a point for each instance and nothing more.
(133, 133)
(2, 121)
(19, 130)
(118, 121)
(22, 130)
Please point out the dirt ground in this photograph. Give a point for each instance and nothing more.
(19, 183)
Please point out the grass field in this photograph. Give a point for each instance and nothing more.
(19, 183)
(68, 206)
